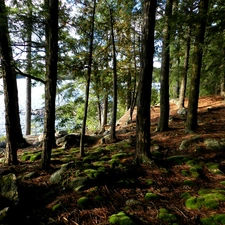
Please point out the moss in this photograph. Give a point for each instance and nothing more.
(216, 219)
(149, 182)
(191, 162)
(99, 198)
(213, 168)
(196, 170)
(83, 201)
(151, 196)
(25, 157)
(189, 183)
(222, 182)
(35, 156)
(185, 173)
(186, 195)
(209, 199)
(165, 215)
(91, 173)
(121, 218)
(90, 158)
(177, 159)
(194, 203)
(57, 207)
(119, 155)
(99, 163)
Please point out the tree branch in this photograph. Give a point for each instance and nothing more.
(28, 75)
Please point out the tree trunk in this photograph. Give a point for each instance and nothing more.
(185, 73)
(142, 153)
(191, 122)
(163, 124)
(105, 110)
(29, 66)
(51, 81)
(114, 110)
(10, 88)
(88, 83)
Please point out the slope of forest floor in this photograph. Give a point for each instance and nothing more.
(184, 184)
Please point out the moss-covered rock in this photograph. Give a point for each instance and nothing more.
(166, 216)
(35, 156)
(216, 219)
(177, 159)
(151, 196)
(121, 218)
(83, 202)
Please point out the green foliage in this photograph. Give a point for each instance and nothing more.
(216, 219)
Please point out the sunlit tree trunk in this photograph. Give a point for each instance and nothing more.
(142, 153)
(191, 122)
(51, 81)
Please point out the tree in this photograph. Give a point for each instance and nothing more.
(142, 153)
(29, 67)
(114, 109)
(10, 88)
(51, 81)
(191, 122)
(163, 124)
(88, 80)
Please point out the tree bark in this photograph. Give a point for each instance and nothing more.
(51, 81)
(10, 89)
(88, 83)
(29, 66)
(142, 153)
(163, 124)
(191, 122)
(185, 73)
(114, 109)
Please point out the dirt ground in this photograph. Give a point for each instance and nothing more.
(167, 179)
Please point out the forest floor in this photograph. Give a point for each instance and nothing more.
(180, 186)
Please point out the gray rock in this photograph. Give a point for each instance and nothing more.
(3, 214)
(214, 144)
(3, 144)
(57, 177)
(79, 183)
(182, 111)
(8, 188)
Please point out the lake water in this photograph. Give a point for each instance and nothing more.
(37, 102)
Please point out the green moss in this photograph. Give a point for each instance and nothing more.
(191, 162)
(57, 207)
(151, 196)
(90, 158)
(119, 155)
(222, 182)
(83, 201)
(214, 220)
(213, 168)
(196, 170)
(194, 203)
(35, 156)
(186, 195)
(177, 159)
(149, 182)
(185, 173)
(189, 183)
(25, 157)
(99, 163)
(209, 199)
(91, 173)
(165, 215)
(121, 219)
(99, 198)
